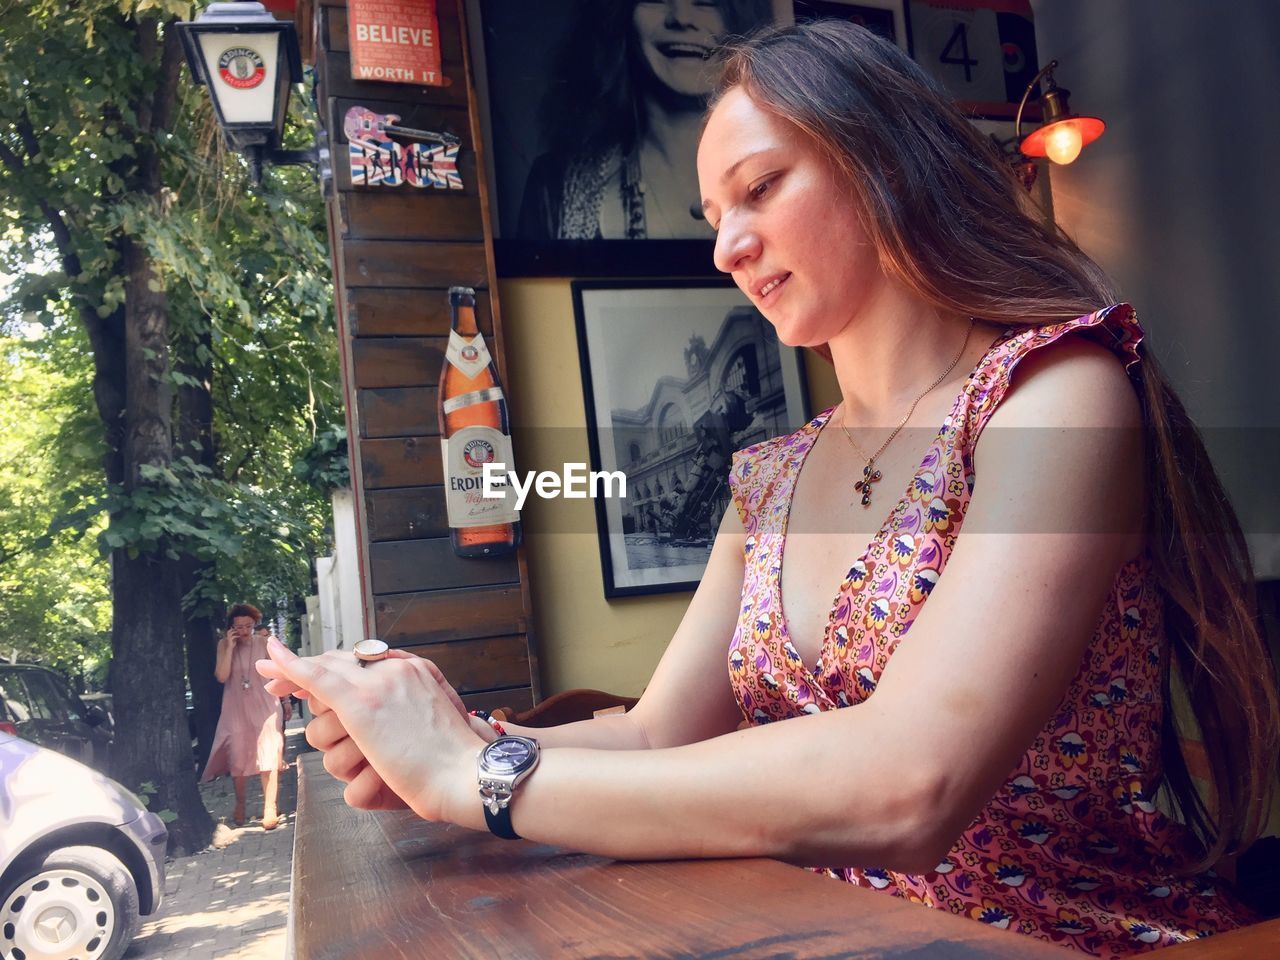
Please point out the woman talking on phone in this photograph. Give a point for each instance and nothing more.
(249, 740)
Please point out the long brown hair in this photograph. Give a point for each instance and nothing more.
(952, 223)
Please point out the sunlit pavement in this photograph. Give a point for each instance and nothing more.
(232, 901)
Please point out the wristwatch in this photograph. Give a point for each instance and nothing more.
(502, 766)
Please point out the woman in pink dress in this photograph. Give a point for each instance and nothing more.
(1006, 552)
(250, 736)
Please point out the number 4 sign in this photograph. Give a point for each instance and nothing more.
(983, 51)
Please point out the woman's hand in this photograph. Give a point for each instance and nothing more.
(394, 730)
(231, 637)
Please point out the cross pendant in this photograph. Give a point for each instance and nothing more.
(869, 476)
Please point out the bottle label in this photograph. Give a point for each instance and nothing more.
(465, 454)
(469, 356)
(475, 396)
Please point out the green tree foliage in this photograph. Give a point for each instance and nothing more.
(191, 314)
(54, 597)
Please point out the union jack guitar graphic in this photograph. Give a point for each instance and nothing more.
(379, 161)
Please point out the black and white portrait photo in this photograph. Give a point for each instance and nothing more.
(677, 377)
(595, 107)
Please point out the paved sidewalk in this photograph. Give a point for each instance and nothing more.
(230, 902)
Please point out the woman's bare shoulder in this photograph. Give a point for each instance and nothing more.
(1073, 382)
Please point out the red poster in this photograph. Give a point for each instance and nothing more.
(395, 41)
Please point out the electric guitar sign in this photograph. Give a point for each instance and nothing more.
(379, 161)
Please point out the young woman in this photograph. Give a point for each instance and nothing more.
(249, 740)
(966, 697)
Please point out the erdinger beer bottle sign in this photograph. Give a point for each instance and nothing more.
(474, 431)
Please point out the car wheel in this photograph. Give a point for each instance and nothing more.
(76, 902)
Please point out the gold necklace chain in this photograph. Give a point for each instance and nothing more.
(870, 474)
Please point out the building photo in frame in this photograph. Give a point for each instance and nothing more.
(677, 375)
(594, 109)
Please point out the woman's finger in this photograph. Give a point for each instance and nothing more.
(368, 791)
(325, 731)
(344, 760)
(277, 684)
(387, 799)
(324, 675)
(283, 688)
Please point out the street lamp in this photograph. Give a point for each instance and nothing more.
(248, 60)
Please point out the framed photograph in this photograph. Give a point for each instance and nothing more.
(592, 111)
(885, 18)
(677, 375)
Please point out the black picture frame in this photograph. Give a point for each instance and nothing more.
(885, 18)
(676, 374)
(515, 46)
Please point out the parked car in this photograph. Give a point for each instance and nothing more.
(81, 860)
(102, 700)
(37, 704)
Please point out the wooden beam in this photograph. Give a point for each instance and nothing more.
(482, 664)
(432, 616)
(407, 514)
(407, 462)
(407, 213)
(387, 312)
(398, 361)
(410, 263)
(398, 412)
(405, 566)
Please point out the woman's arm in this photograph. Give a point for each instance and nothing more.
(689, 697)
(222, 667)
(890, 782)
(893, 781)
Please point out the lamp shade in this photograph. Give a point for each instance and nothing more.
(248, 59)
(1062, 140)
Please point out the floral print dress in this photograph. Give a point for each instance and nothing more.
(1072, 848)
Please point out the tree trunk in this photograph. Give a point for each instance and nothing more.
(201, 632)
(146, 632)
(146, 674)
(194, 359)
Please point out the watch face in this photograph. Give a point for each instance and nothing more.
(507, 755)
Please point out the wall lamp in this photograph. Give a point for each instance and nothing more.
(1061, 135)
(248, 60)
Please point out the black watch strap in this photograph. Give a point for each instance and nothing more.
(500, 823)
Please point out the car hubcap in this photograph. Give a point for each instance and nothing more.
(56, 925)
(58, 914)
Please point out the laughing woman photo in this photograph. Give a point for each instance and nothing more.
(622, 120)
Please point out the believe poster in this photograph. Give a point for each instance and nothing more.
(395, 41)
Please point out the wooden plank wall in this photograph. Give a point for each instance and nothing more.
(396, 250)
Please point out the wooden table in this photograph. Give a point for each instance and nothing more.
(388, 885)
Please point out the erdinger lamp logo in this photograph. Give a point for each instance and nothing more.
(469, 353)
(241, 68)
(477, 453)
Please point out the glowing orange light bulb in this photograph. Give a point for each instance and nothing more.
(1063, 142)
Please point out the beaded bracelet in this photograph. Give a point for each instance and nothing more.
(484, 715)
